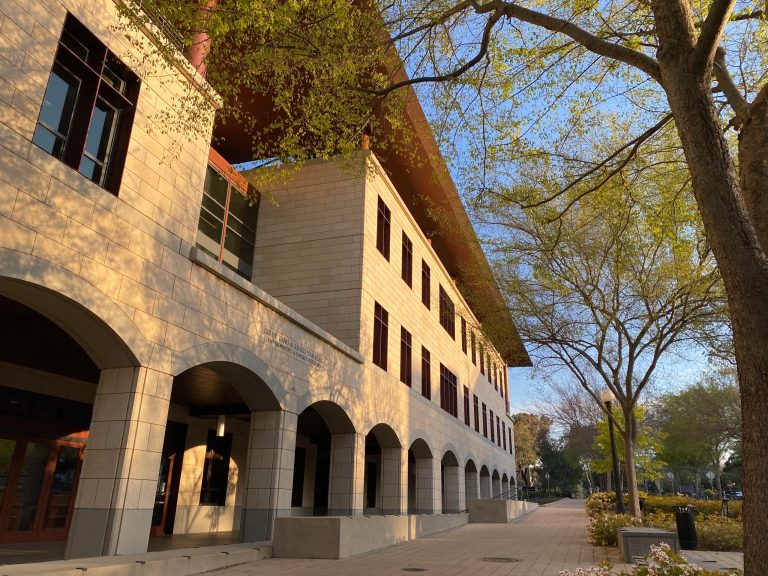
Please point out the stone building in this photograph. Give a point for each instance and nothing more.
(176, 361)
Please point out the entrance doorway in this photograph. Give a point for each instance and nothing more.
(167, 493)
(38, 482)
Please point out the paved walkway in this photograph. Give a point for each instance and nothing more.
(540, 544)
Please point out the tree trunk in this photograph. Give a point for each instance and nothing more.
(629, 463)
(753, 167)
(735, 245)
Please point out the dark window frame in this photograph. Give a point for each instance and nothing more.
(380, 336)
(406, 357)
(95, 116)
(467, 419)
(473, 347)
(449, 391)
(426, 373)
(213, 491)
(407, 261)
(504, 434)
(476, 405)
(493, 435)
(485, 420)
(383, 228)
(463, 335)
(426, 289)
(447, 313)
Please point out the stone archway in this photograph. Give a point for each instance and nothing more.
(495, 484)
(452, 480)
(423, 486)
(471, 481)
(384, 467)
(485, 482)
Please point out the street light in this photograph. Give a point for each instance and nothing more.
(607, 397)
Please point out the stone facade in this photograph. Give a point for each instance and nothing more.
(284, 357)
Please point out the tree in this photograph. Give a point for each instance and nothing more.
(700, 65)
(712, 435)
(529, 431)
(565, 471)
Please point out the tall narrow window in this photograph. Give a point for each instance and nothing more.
(426, 374)
(466, 406)
(511, 445)
(407, 261)
(448, 391)
(474, 350)
(485, 421)
(88, 107)
(463, 335)
(425, 285)
(498, 431)
(495, 380)
(447, 313)
(488, 365)
(227, 225)
(383, 224)
(504, 434)
(477, 412)
(405, 357)
(493, 436)
(380, 335)
(482, 360)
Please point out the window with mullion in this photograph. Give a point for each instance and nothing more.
(482, 360)
(498, 431)
(426, 373)
(477, 412)
(383, 225)
(504, 434)
(474, 348)
(485, 421)
(463, 335)
(466, 406)
(425, 285)
(448, 391)
(405, 357)
(447, 313)
(380, 336)
(407, 261)
(493, 435)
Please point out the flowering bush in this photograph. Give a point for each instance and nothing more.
(661, 561)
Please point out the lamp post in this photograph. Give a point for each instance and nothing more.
(607, 398)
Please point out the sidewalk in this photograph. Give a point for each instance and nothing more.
(540, 544)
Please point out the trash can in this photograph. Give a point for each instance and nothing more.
(642, 505)
(686, 527)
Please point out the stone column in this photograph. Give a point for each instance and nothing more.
(394, 483)
(472, 485)
(496, 487)
(428, 491)
(118, 480)
(454, 497)
(271, 450)
(345, 497)
(485, 487)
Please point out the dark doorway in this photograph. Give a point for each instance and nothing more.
(166, 496)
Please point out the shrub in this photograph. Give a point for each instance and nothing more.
(603, 526)
(661, 561)
(719, 534)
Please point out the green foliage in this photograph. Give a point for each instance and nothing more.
(603, 526)
(530, 430)
(647, 444)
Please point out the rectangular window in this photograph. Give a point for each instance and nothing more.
(405, 357)
(466, 406)
(447, 313)
(218, 450)
(474, 350)
(495, 379)
(380, 335)
(407, 262)
(498, 431)
(504, 434)
(383, 224)
(448, 391)
(493, 436)
(425, 287)
(463, 335)
(426, 374)
(477, 412)
(485, 421)
(88, 107)
(228, 216)
(488, 365)
(482, 360)
(511, 445)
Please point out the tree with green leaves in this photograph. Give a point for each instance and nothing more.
(530, 430)
(702, 424)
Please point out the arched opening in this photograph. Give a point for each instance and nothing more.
(450, 484)
(324, 471)
(485, 482)
(471, 481)
(495, 484)
(421, 479)
(205, 460)
(505, 486)
(56, 361)
(382, 484)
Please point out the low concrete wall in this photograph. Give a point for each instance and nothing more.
(426, 524)
(498, 511)
(636, 542)
(345, 536)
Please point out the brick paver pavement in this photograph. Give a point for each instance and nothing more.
(540, 544)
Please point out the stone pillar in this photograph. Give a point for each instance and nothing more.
(485, 487)
(394, 481)
(118, 480)
(271, 449)
(428, 491)
(345, 497)
(505, 488)
(496, 487)
(453, 499)
(472, 485)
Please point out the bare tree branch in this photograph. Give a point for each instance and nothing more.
(711, 32)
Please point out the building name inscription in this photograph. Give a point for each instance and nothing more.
(290, 346)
